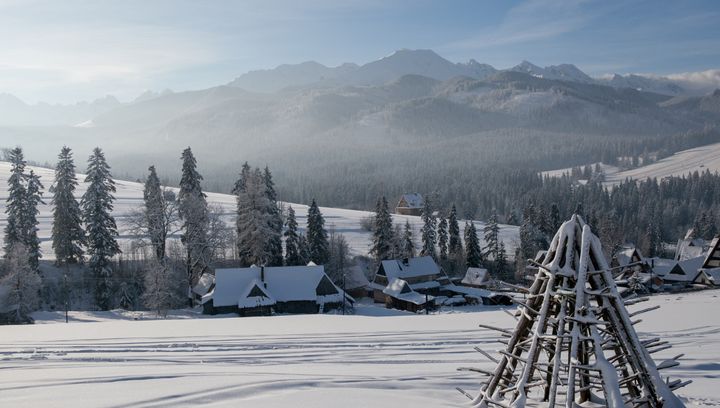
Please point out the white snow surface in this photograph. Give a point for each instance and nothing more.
(379, 357)
(129, 197)
(681, 163)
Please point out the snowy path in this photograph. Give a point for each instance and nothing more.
(306, 361)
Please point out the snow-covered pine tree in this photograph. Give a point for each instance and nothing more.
(23, 284)
(491, 233)
(303, 250)
(193, 211)
(33, 197)
(97, 205)
(68, 236)
(397, 242)
(443, 238)
(254, 223)
(15, 202)
(160, 286)
(155, 214)
(274, 250)
(501, 261)
(317, 236)
(408, 242)
(293, 256)
(454, 243)
(428, 232)
(473, 254)
(382, 233)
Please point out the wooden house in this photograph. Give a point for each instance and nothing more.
(205, 285)
(410, 204)
(712, 256)
(689, 248)
(257, 291)
(629, 260)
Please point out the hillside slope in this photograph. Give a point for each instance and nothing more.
(129, 197)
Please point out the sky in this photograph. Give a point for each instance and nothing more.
(72, 50)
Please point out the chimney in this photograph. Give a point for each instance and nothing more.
(406, 261)
(262, 276)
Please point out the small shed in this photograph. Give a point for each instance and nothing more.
(205, 285)
(476, 278)
(410, 204)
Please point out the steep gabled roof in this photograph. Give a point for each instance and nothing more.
(204, 285)
(414, 267)
(690, 248)
(628, 255)
(281, 283)
(255, 295)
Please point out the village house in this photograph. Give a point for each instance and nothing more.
(629, 260)
(261, 291)
(410, 204)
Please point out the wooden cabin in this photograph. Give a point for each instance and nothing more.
(261, 291)
(410, 204)
(422, 274)
(205, 285)
(628, 260)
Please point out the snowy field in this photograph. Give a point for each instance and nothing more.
(681, 163)
(129, 197)
(377, 358)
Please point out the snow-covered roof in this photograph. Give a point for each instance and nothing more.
(400, 289)
(476, 277)
(411, 200)
(690, 248)
(355, 278)
(283, 283)
(474, 292)
(625, 255)
(205, 283)
(662, 266)
(712, 258)
(414, 267)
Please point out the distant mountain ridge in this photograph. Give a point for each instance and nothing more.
(430, 64)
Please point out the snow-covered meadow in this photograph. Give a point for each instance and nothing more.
(129, 197)
(378, 358)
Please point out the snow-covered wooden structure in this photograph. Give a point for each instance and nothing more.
(258, 290)
(476, 278)
(410, 204)
(574, 343)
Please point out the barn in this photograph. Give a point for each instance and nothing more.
(261, 291)
(410, 204)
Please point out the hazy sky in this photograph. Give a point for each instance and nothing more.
(66, 50)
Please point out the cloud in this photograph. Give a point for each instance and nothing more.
(703, 81)
(529, 21)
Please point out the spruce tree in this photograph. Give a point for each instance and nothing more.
(473, 254)
(193, 211)
(274, 242)
(382, 234)
(100, 225)
(428, 232)
(492, 239)
(29, 219)
(293, 256)
(408, 244)
(443, 238)
(317, 237)
(155, 214)
(68, 236)
(454, 243)
(15, 202)
(254, 224)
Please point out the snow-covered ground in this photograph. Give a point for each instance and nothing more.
(377, 358)
(129, 197)
(681, 163)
